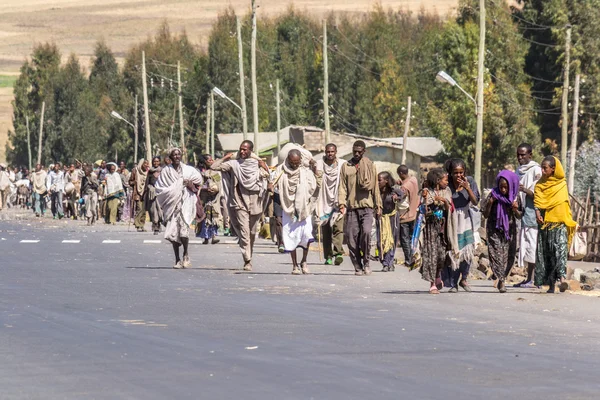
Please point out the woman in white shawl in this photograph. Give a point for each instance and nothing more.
(297, 186)
(176, 192)
(114, 190)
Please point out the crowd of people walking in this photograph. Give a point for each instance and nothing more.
(436, 223)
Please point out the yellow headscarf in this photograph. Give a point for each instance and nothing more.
(551, 194)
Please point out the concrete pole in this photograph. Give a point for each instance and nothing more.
(326, 86)
(277, 99)
(571, 181)
(406, 130)
(208, 106)
(242, 79)
(254, 89)
(146, 111)
(565, 100)
(39, 158)
(180, 104)
(135, 131)
(480, 88)
(28, 141)
(212, 123)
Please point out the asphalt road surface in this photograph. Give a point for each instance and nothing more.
(100, 314)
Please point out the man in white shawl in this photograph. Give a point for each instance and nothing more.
(530, 173)
(247, 195)
(176, 193)
(331, 220)
(4, 185)
(298, 191)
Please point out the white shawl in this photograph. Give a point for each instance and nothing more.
(328, 195)
(529, 174)
(247, 173)
(113, 183)
(172, 196)
(296, 189)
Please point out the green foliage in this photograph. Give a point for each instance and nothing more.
(376, 61)
(587, 167)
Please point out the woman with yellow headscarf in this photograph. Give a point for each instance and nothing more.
(553, 212)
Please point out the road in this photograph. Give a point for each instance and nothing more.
(106, 320)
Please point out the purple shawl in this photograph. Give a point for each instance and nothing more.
(505, 203)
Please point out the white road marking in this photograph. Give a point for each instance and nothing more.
(196, 241)
(71, 241)
(152, 241)
(111, 241)
(30, 241)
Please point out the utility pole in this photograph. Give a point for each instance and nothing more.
(326, 86)
(571, 181)
(406, 129)
(146, 112)
(180, 101)
(254, 89)
(242, 78)
(480, 71)
(278, 116)
(135, 131)
(212, 123)
(28, 141)
(565, 100)
(39, 159)
(208, 106)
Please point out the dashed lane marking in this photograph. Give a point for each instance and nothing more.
(196, 241)
(111, 241)
(29, 241)
(71, 241)
(152, 241)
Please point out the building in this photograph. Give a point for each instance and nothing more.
(386, 153)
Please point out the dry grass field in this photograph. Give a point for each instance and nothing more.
(75, 26)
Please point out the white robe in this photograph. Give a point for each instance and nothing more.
(177, 201)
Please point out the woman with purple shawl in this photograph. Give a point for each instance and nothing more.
(502, 210)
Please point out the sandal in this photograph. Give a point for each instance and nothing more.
(434, 290)
(439, 284)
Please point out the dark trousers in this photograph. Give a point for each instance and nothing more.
(333, 238)
(451, 278)
(359, 223)
(406, 231)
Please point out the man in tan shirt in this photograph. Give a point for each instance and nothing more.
(359, 199)
(247, 195)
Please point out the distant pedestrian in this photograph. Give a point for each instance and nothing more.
(389, 225)
(176, 190)
(359, 200)
(4, 186)
(38, 182)
(137, 181)
(502, 209)
(114, 193)
(557, 227)
(55, 182)
(211, 201)
(150, 203)
(407, 209)
(89, 193)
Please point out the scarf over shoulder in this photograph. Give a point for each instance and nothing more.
(367, 178)
(328, 194)
(173, 196)
(551, 194)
